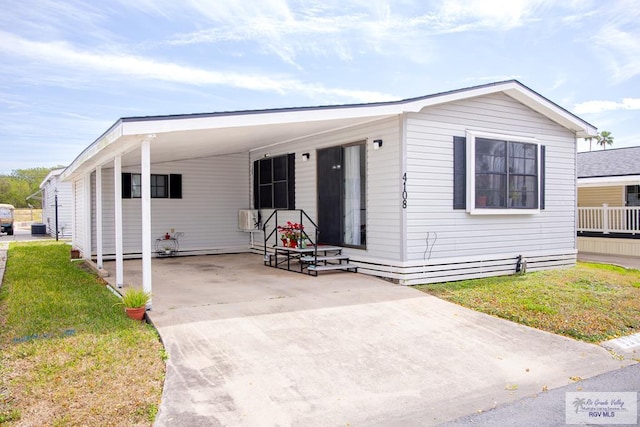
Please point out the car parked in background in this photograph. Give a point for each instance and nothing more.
(6, 218)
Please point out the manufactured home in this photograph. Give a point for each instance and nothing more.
(466, 183)
(57, 204)
(609, 201)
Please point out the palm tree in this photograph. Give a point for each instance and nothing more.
(578, 403)
(590, 139)
(604, 138)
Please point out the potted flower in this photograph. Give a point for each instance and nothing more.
(290, 234)
(134, 301)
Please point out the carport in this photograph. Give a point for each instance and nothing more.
(252, 345)
(207, 287)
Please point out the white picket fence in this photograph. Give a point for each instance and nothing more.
(606, 219)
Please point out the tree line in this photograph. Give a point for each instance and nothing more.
(21, 183)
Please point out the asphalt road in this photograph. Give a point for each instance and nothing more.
(21, 235)
(549, 408)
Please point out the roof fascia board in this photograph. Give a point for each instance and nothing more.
(134, 126)
(609, 181)
(261, 119)
(104, 158)
(547, 108)
(51, 174)
(161, 124)
(105, 140)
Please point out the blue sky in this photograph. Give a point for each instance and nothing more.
(69, 69)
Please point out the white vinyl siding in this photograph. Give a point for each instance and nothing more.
(384, 236)
(435, 230)
(213, 190)
(65, 207)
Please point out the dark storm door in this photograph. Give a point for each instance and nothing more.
(330, 197)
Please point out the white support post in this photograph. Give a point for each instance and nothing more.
(145, 169)
(88, 218)
(99, 259)
(117, 184)
(605, 218)
(74, 232)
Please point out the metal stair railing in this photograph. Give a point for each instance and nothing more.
(274, 232)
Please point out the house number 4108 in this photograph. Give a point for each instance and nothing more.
(404, 191)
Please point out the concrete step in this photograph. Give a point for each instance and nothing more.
(329, 267)
(324, 258)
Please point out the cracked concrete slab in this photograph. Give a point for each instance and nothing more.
(252, 345)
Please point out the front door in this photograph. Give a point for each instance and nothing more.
(341, 195)
(330, 196)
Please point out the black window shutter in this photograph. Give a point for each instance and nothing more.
(542, 173)
(126, 185)
(459, 172)
(291, 180)
(175, 186)
(256, 186)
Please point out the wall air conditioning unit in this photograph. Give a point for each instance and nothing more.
(249, 220)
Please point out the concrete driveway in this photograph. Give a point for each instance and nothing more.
(251, 345)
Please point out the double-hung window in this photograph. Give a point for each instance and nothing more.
(501, 174)
(162, 186)
(274, 182)
(159, 186)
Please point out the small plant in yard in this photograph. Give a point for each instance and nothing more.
(135, 298)
(590, 302)
(135, 301)
(69, 356)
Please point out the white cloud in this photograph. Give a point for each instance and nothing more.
(496, 14)
(50, 19)
(617, 39)
(333, 28)
(66, 57)
(621, 50)
(493, 78)
(602, 106)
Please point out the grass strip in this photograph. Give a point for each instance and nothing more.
(70, 356)
(590, 302)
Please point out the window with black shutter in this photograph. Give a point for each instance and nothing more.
(502, 173)
(459, 172)
(162, 186)
(274, 182)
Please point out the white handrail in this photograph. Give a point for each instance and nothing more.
(606, 219)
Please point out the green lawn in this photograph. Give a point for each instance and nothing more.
(590, 302)
(69, 355)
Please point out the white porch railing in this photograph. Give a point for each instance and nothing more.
(606, 219)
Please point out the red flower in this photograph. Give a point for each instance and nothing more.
(291, 231)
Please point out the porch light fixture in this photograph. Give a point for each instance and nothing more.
(305, 157)
(377, 143)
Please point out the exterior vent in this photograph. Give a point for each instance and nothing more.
(248, 220)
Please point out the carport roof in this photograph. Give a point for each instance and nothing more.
(186, 136)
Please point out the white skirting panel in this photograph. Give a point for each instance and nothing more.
(609, 246)
(452, 269)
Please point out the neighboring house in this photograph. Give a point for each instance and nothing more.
(51, 187)
(609, 201)
(442, 187)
